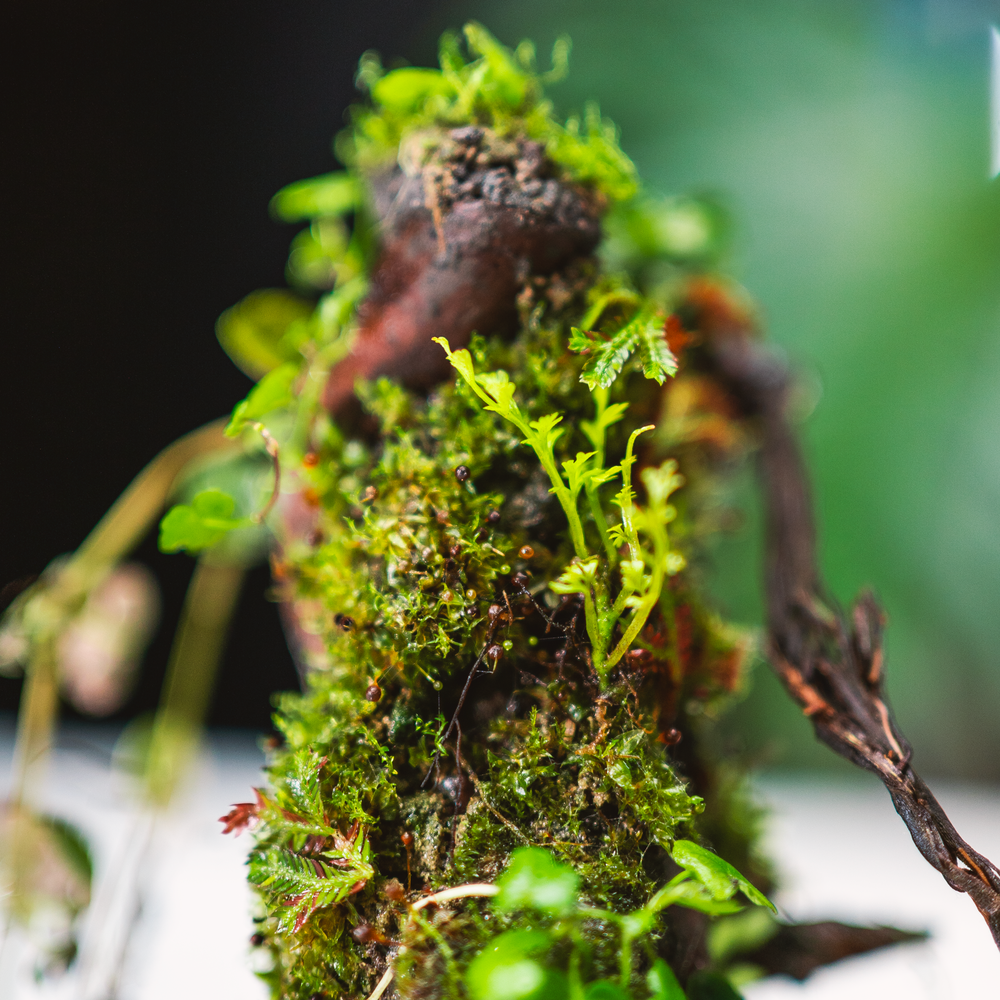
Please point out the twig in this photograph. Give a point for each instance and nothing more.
(833, 667)
(457, 892)
(383, 984)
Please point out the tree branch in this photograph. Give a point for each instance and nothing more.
(832, 664)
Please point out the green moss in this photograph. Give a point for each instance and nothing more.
(464, 552)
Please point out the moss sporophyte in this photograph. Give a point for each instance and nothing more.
(486, 450)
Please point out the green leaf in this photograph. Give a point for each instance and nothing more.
(535, 880)
(578, 578)
(500, 388)
(710, 986)
(258, 333)
(302, 883)
(740, 934)
(330, 194)
(272, 392)
(460, 360)
(546, 432)
(594, 429)
(663, 983)
(301, 785)
(407, 89)
(201, 525)
(72, 846)
(609, 354)
(658, 361)
(695, 896)
(604, 989)
(503, 82)
(506, 970)
(719, 877)
(577, 473)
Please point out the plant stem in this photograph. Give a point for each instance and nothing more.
(194, 659)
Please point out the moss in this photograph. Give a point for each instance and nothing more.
(457, 706)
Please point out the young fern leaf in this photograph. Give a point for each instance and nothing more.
(608, 355)
(302, 883)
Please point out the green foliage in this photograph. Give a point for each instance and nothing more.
(535, 880)
(264, 330)
(719, 877)
(272, 392)
(72, 846)
(639, 592)
(302, 883)
(521, 964)
(200, 525)
(496, 87)
(330, 195)
(607, 355)
(413, 586)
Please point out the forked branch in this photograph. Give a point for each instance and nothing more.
(832, 664)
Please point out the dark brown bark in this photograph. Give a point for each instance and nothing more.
(797, 950)
(458, 241)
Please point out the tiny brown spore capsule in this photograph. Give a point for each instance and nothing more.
(346, 622)
(257, 939)
(526, 552)
(520, 580)
(672, 737)
(494, 652)
(310, 460)
(407, 838)
(493, 613)
(493, 517)
(374, 692)
(364, 933)
(462, 473)
(394, 891)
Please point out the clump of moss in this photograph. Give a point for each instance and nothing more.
(498, 608)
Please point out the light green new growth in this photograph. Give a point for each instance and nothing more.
(514, 965)
(640, 590)
(497, 88)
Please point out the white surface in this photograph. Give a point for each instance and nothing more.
(841, 850)
(191, 938)
(844, 854)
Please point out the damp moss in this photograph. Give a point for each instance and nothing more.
(460, 567)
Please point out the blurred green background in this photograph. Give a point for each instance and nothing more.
(850, 141)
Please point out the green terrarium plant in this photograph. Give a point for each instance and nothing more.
(487, 451)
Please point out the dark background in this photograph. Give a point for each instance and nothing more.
(143, 143)
(850, 141)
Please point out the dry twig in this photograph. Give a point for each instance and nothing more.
(831, 663)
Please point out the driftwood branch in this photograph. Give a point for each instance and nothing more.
(829, 662)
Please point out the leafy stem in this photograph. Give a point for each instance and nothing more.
(640, 590)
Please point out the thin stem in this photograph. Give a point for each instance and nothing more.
(35, 720)
(194, 659)
(660, 552)
(602, 525)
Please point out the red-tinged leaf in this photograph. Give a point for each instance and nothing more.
(243, 814)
